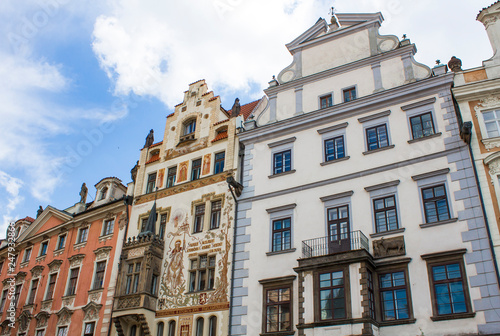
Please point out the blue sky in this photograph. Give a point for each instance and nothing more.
(83, 82)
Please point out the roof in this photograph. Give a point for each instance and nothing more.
(247, 109)
(197, 81)
(154, 158)
(493, 4)
(220, 136)
(156, 144)
(171, 114)
(27, 218)
(110, 177)
(220, 122)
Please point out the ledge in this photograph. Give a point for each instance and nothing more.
(281, 252)
(448, 221)
(455, 253)
(332, 128)
(278, 333)
(387, 233)
(281, 174)
(58, 252)
(453, 316)
(382, 185)
(281, 142)
(96, 290)
(79, 245)
(438, 172)
(396, 322)
(378, 150)
(326, 163)
(286, 278)
(337, 196)
(106, 237)
(282, 207)
(418, 104)
(41, 258)
(24, 264)
(435, 135)
(375, 116)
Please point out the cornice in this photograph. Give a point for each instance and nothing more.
(476, 90)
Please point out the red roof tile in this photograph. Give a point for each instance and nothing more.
(171, 114)
(197, 81)
(27, 218)
(156, 144)
(179, 104)
(220, 136)
(247, 109)
(220, 122)
(213, 98)
(209, 92)
(153, 158)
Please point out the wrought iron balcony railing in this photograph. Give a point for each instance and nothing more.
(316, 247)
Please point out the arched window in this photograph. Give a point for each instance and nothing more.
(199, 326)
(189, 127)
(103, 193)
(133, 330)
(171, 328)
(159, 329)
(212, 326)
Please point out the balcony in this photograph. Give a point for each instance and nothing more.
(324, 246)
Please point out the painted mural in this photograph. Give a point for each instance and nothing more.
(182, 247)
(161, 175)
(183, 170)
(206, 164)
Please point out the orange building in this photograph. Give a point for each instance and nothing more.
(62, 280)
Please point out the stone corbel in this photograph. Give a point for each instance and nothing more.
(493, 163)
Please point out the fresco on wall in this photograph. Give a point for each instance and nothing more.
(206, 164)
(188, 148)
(183, 171)
(159, 180)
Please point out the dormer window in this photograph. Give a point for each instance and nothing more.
(190, 127)
(102, 193)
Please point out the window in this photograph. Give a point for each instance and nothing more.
(190, 127)
(334, 148)
(212, 326)
(4, 298)
(17, 293)
(159, 329)
(150, 187)
(202, 273)
(278, 309)
(422, 125)
(394, 296)
(27, 254)
(133, 274)
(371, 294)
(61, 242)
(171, 328)
(1, 266)
(386, 218)
(163, 225)
(34, 286)
(282, 233)
(102, 193)
(100, 270)
(107, 227)
(62, 331)
(282, 162)
(154, 284)
(325, 101)
(196, 170)
(51, 286)
(492, 122)
(376, 137)
(435, 204)
(43, 248)
(83, 235)
(89, 329)
(199, 214)
(449, 288)
(215, 215)
(349, 94)
(73, 279)
(199, 326)
(332, 295)
(171, 174)
(144, 221)
(219, 162)
(40, 332)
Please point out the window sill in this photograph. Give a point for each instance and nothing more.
(96, 290)
(281, 174)
(79, 245)
(72, 296)
(41, 258)
(278, 333)
(435, 135)
(24, 264)
(387, 233)
(281, 252)
(448, 221)
(334, 161)
(452, 316)
(396, 322)
(378, 150)
(106, 237)
(58, 252)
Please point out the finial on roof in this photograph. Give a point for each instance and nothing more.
(273, 82)
(404, 36)
(334, 24)
(455, 64)
(438, 62)
(236, 109)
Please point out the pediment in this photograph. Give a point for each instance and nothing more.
(319, 28)
(50, 218)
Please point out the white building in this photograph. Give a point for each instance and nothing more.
(360, 212)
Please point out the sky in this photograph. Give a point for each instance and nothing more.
(83, 82)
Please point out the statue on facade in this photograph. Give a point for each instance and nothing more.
(133, 171)
(455, 64)
(150, 139)
(236, 109)
(83, 193)
(39, 211)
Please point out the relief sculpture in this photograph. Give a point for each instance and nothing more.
(389, 247)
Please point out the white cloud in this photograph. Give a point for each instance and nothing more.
(12, 186)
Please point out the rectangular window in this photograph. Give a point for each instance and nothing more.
(154, 284)
(422, 125)
(334, 148)
(133, 273)
(43, 248)
(62, 331)
(61, 242)
(108, 227)
(34, 286)
(492, 123)
(196, 170)
(99, 274)
(371, 295)
(386, 218)
(163, 225)
(144, 221)
(51, 286)
(394, 296)
(17, 294)
(27, 254)
(40, 332)
(326, 101)
(376, 137)
(332, 295)
(282, 234)
(349, 94)
(219, 162)
(89, 329)
(73, 279)
(215, 215)
(4, 298)
(448, 284)
(435, 204)
(202, 273)
(199, 214)
(150, 187)
(1, 266)
(171, 175)
(282, 162)
(278, 309)
(83, 235)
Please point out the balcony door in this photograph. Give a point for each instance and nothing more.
(338, 229)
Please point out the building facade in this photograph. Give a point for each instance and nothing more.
(360, 212)
(62, 280)
(177, 258)
(477, 92)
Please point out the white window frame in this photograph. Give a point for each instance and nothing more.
(377, 119)
(68, 279)
(323, 96)
(31, 287)
(94, 273)
(281, 146)
(59, 240)
(419, 110)
(104, 226)
(355, 87)
(383, 190)
(47, 286)
(95, 326)
(331, 132)
(335, 201)
(277, 213)
(40, 249)
(31, 253)
(78, 237)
